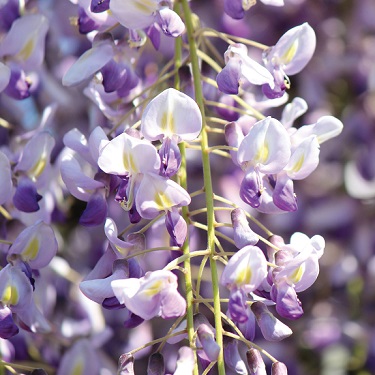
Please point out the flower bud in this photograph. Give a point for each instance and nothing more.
(243, 235)
(156, 365)
(279, 368)
(126, 364)
(255, 362)
(272, 329)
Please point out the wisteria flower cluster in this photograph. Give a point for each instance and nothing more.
(118, 243)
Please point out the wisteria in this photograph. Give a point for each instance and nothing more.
(187, 187)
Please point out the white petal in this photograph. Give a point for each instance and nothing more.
(171, 113)
(88, 64)
(134, 14)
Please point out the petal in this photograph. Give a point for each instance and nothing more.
(234, 9)
(325, 128)
(287, 303)
(156, 364)
(170, 157)
(88, 64)
(234, 136)
(251, 189)
(283, 194)
(26, 197)
(18, 85)
(252, 71)
(255, 362)
(98, 6)
(266, 146)
(170, 22)
(76, 141)
(15, 288)
(185, 362)
(25, 41)
(207, 340)
(99, 289)
(294, 49)
(36, 244)
(126, 154)
(157, 194)
(246, 269)
(78, 184)
(171, 113)
(228, 80)
(272, 329)
(237, 307)
(36, 155)
(177, 227)
(243, 235)
(95, 211)
(81, 358)
(8, 328)
(304, 159)
(292, 111)
(134, 14)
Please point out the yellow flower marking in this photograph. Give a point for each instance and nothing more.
(290, 53)
(10, 295)
(167, 123)
(297, 274)
(129, 163)
(298, 165)
(162, 201)
(31, 250)
(154, 288)
(146, 6)
(244, 276)
(27, 50)
(262, 154)
(78, 367)
(38, 168)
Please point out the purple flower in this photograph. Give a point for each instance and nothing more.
(155, 294)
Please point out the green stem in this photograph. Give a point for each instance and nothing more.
(207, 183)
(185, 212)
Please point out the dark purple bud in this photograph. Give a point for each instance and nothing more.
(126, 364)
(272, 329)
(85, 23)
(131, 81)
(170, 157)
(274, 93)
(228, 79)
(98, 6)
(287, 303)
(153, 33)
(279, 368)
(156, 364)
(255, 362)
(112, 303)
(7, 326)
(26, 197)
(251, 190)
(18, 86)
(228, 113)
(283, 195)
(135, 270)
(177, 227)
(114, 75)
(237, 306)
(234, 9)
(95, 212)
(132, 320)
